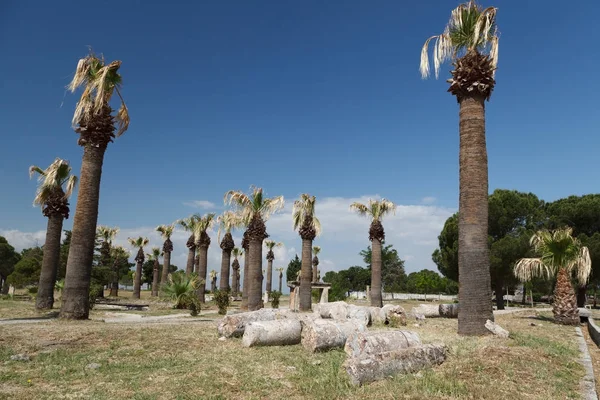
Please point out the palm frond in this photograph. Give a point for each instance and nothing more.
(528, 268)
(139, 242)
(166, 230)
(237, 252)
(376, 209)
(155, 252)
(316, 250)
(52, 179)
(582, 265)
(271, 244)
(203, 224)
(247, 206)
(227, 221)
(360, 208)
(303, 211)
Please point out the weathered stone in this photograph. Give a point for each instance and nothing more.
(496, 329)
(337, 310)
(326, 334)
(448, 310)
(93, 366)
(379, 366)
(272, 333)
(366, 343)
(427, 310)
(361, 314)
(393, 315)
(234, 325)
(20, 357)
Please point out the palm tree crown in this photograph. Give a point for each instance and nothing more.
(107, 234)
(470, 28)
(190, 224)
(155, 252)
(376, 210)
(255, 204)
(303, 216)
(271, 244)
(166, 231)
(237, 252)
(100, 81)
(203, 224)
(139, 243)
(50, 195)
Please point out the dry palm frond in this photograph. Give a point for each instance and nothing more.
(470, 28)
(138, 242)
(155, 252)
(528, 268)
(166, 230)
(316, 250)
(247, 206)
(376, 209)
(107, 233)
(189, 223)
(271, 244)
(203, 224)
(227, 221)
(237, 252)
(213, 274)
(53, 178)
(304, 212)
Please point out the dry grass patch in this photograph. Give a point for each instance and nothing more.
(184, 360)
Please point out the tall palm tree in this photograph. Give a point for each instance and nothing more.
(54, 201)
(106, 235)
(270, 244)
(119, 257)
(95, 124)
(560, 256)
(202, 243)
(470, 40)
(189, 224)
(138, 243)
(375, 210)
(309, 227)
(254, 210)
(153, 256)
(280, 270)
(315, 262)
(166, 231)
(227, 221)
(235, 265)
(246, 282)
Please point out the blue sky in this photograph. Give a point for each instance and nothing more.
(311, 96)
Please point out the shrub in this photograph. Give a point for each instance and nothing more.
(221, 299)
(181, 289)
(95, 291)
(32, 290)
(316, 295)
(275, 296)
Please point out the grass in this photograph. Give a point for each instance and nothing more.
(184, 360)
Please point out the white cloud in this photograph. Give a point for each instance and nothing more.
(428, 200)
(203, 204)
(23, 240)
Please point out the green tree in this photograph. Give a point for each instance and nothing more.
(95, 124)
(56, 184)
(339, 286)
(393, 275)
(120, 268)
(64, 255)
(294, 266)
(8, 258)
(27, 270)
(425, 282)
(471, 42)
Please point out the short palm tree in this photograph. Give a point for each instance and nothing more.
(189, 224)
(470, 40)
(181, 289)
(119, 257)
(254, 210)
(154, 254)
(235, 266)
(205, 223)
(375, 210)
(270, 244)
(139, 244)
(95, 124)
(166, 231)
(560, 256)
(315, 262)
(227, 221)
(54, 201)
(280, 270)
(309, 227)
(213, 280)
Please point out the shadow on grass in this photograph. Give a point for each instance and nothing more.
(50, 315)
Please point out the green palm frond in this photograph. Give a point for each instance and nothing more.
(189, 223)
(237, 252)
(155, 252)
(556, 249)
(56, 176)
(139, 242)
(375, 209)
(471, 27)
(106, 233)
(99, 81)
(203, 224)
(119, 252)
(166, 230)
(212, 274)
(316, 250)
(303, 210)
(247, 206)
(181, 288)
(271, 244)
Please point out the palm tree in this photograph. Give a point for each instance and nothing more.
(227, 222)
(106, 235)
(181, 289)
(138, 243)
(202, 243)
(189, 224)
(270, 244)
(119, 256)
(470, 40)
(254, 210)
(375, 210)
(560, 256)
(54, 201)
(166, 231)
(315, 262)
(235, 284)
(95, 124)
(213, 280)
(280, 270)
(308, 227)
(246, 282)
(153, 255)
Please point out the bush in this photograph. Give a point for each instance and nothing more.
(221, 299)
(316, 295)
(95, 291)
(32, 290)
(181, 289)
(275, 295)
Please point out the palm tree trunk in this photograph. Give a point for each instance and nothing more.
(524, 295)
(166, 266)
(376, 298)
(45, 295)
(269, 276)
(202, 267)
(306, 276)
(155, 279)
(280, 279)
(225, 262)
(189, 268)
(4, 288)
(246, 282)
(114, 288)
(76, 293)
(255, 275)
(137, 281)
(564, 307)
(473, 254)
(315, 272)
(499, 294)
